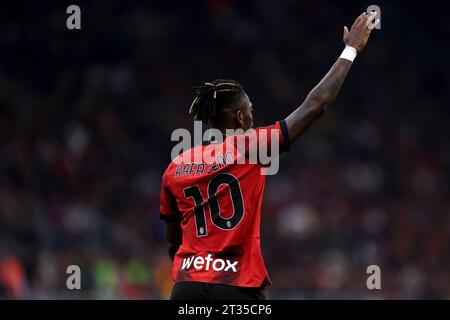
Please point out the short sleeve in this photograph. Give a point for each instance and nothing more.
(263, 144)
(278, 131)
(167, 209)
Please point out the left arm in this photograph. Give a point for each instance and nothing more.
(318, 100)
(174, 236)
(324, 93)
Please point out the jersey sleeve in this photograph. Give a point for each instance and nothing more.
(278, 130)
(262, 144)
(168, 208)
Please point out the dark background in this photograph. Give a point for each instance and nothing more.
(85, 123)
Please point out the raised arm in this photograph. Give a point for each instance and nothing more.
(324, 93)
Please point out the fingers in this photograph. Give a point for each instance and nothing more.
(358, 19)
(366, 19)
(362, 18)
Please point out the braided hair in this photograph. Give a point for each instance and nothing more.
(213, 98)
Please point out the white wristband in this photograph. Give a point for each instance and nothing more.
(349, 53)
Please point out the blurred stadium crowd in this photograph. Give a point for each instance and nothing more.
(85, 124)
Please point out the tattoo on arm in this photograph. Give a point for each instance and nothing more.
(318, 100)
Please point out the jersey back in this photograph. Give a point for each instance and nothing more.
(218, 203)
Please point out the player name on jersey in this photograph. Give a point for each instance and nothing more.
(199, 168)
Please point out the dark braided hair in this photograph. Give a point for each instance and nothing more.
(212, 98)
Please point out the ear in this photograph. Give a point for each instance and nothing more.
(240, 118)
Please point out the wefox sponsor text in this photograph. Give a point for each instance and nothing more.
(208, 262)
